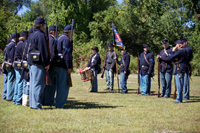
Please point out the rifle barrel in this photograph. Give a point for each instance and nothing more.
(104, 62)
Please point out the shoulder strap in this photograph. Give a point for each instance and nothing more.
(123, 61)
(24, 51)
(6, 51)
(110, 55)
(30, 44)
(184, 52)
(59, 39)
(146, 59)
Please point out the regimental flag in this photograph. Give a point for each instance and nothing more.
(117, 41)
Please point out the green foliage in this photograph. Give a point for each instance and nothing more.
(4, 32)
(37, 9)
(15, 5)
(1, 57)
(196, 49)
(138, 23)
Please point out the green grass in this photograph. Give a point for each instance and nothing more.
(106, 112)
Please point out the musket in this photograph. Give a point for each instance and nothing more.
(71, 40)
(16, 36)
(56, 29)
(104, 62)
(48, 80)
(158, 78)
(138, 69)
(174, 96)
(26, 32)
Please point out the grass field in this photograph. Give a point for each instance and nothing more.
(106, 112)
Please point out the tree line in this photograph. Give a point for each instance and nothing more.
(137, 21)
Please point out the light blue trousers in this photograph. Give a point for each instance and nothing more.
(109, 78)
(37, 85)
(26, 87)
(62, 88)
(123, 82)
(5, 80)
(49, 91)
(166, 79)
(186, 87)
(145, 84)
(17, 99)
(179, 86)
(10, 85)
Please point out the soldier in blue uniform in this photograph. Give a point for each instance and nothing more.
(5, 80)
(93, 64)
(49, 92)
(125, 61)
(17, 99)
(179, 68)
(186, 86)
(110, 68)
(10, 51)
(146, 70)
(63, 67)
(25, 73)
(37, 42)
(165, 69)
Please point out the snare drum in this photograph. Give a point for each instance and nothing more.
(86, 74)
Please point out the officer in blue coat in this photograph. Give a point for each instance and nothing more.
(146, 70)
(186, 86)
(5, 73)
(37, 42)
(165, 69)
(93, 64)
(49, 92)
(25, 72)
(17, 99)
(124, 72)
(10, 52)
(179, 56)
(63, 67)
(110, 68)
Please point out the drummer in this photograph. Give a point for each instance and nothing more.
(93, 64)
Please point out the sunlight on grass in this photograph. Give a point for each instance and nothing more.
(106, 112)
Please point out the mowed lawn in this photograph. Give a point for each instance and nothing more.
(106, 112)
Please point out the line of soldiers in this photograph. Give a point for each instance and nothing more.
(174, 61)
(27, 84)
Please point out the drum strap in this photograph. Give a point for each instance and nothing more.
(93, 58)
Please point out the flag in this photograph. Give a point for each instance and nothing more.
(117, 41)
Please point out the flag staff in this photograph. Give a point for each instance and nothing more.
(116, 66)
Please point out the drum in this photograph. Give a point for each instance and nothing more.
(86, 74)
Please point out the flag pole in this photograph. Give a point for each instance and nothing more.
(116, 70)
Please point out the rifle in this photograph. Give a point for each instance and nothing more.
(138, 69)
(56, 29)
(104, 62)
(174, 96)
(158, 79)
(15, 36)
(26, 32)
(117, 71)
(48, 80)
(71, 40)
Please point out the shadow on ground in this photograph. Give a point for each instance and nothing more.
(193, 99)
(75, 104)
